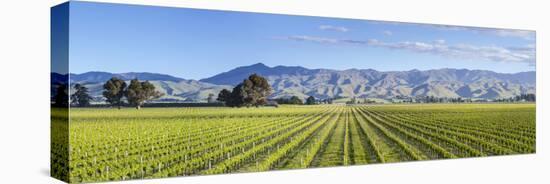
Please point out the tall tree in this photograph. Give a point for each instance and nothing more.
(237, 96)
(250, 96)
(224, 96)
(253, 91)
(81, 97)
(310, 100)
(260, 89)
(210, 98)
(140, 92)
(113, 91)
(296, 100)
(61, 98)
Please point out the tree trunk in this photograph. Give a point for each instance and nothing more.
(138, 107)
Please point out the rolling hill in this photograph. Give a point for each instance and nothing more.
(174, 89)
(288, 81)
(326, 83)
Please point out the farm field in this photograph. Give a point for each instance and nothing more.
(111, 144)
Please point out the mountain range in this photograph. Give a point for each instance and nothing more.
(298, 81)
(173, 88)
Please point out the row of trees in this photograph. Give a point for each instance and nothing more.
(354, 100)
(433, 99)
(137, 93)
(253, 91)
(295, 100)
(520, 98)
(116, 92)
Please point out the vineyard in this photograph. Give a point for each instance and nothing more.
(110, 144)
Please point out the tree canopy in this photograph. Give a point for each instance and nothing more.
(224, 95)
(310, 100)
(253, 91)
(61, 98)
(210, 98)
(140, 92)
(113, 91)
(137, 93)
(292, 100)
(81, 97)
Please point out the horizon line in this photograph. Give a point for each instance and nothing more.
(260, 63)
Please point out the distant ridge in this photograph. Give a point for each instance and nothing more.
(174, 88)
(93, 77)
(327, 83)
(298, 81)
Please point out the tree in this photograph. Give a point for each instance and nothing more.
(237, 96)
(310, 100)
(113, 91)
(140, 92)
(518, 98)
(81, 97)
(292, 100)
(257, 89)
(296, 100)
(353, 100)
(250, 96)
(253, 91)
(61, 98)
(224, 95)
(210, 98)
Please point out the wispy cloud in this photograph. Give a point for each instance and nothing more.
(438, 47)
(524, 34)
(311, 39)
(528, 35)
(439, 41)
(333, 28)
(387, 33)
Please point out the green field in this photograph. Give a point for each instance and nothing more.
(110, 144)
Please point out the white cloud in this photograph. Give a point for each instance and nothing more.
(312, 39)
(524, 34)
(524, 54)
(448, 27)
(387, 33)
(439, 41)
(528, 35)
(333, 28)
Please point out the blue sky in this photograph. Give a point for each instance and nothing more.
(60, 38)
(195, 44)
